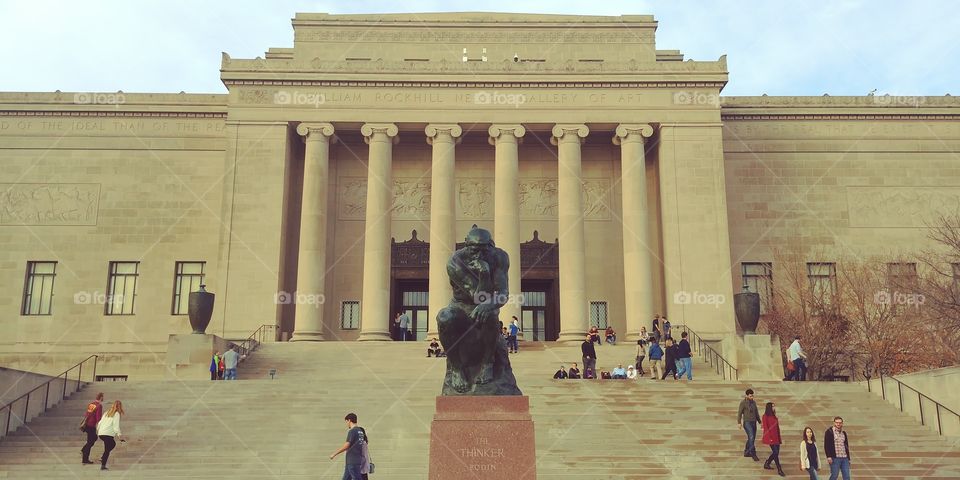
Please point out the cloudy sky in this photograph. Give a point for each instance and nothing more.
(841, 47)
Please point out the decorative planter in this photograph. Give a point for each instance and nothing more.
(746, 305)
(200, 309)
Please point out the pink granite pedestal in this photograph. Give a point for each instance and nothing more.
(482, 438)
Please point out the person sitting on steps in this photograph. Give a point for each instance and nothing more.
(561, 374)
(435, 349)
(574, 372)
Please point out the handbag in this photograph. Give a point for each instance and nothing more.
(790, 366)
(83, 423)
(370, 470)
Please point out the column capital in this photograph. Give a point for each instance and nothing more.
(569, 132)
(632, 132)
(499, 130)
(314, 131)
(435, 130)
(368, 130)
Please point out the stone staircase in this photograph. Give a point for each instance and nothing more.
(259, 428)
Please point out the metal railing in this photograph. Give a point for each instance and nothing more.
(48, 394)
(248, 346)
(723, 368)
(948, 421)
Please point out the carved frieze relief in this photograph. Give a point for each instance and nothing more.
(49, 203)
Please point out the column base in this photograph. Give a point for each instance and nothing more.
(374, 337)
(308, 337)
(572, 336)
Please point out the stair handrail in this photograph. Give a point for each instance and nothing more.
(46, 396)
(711, 356)
(920, 396)
(248, 346)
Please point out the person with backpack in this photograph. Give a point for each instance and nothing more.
(656, 359)
(215, 365)
(89, 426)
(356, 438)
(641, 352)
(109, 430)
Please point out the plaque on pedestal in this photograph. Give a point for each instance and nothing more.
(483, 438)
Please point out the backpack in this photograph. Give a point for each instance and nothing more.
(656, 353)
(91, 409)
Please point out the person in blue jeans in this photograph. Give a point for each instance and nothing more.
(836, 447)
(747, 418)
(684, 362)
(512, 332)
(356, 437)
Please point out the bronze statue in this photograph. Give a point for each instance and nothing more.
(477, 358)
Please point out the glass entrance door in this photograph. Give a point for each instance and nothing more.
(415, 305)
(533, 316)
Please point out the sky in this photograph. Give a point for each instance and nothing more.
(840, 47)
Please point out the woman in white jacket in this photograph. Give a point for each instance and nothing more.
(809, 455)
(108, 429)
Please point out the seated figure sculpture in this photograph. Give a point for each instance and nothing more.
(470, 329)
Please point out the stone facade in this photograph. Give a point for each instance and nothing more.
(573, 129)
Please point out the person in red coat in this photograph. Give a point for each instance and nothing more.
(771, 436)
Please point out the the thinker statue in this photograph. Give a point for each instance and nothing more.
(477, 358)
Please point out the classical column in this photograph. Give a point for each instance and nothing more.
(375, 307)
(574, 319)
(443, 234)
(506, 208)
(637, 271)
(312, 260)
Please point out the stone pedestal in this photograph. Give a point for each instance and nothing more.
(488, 438)
(759, 358)
(189, 355)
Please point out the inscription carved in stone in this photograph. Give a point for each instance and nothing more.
(49, 203)
(900, 206)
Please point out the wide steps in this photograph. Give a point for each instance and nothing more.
(599, 429)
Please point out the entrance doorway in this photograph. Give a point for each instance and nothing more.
(537, 318)
(413, 299)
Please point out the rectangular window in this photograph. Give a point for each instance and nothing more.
(187, 277)
(955, 267)
(598, 314)
(122, 288)
(350, 315)
(823, 282)
(758, 276)
(902, 276)
(38, 288)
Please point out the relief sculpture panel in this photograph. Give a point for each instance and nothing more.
(539, 200)
(900, 206)
(474, 199)
(411, 198)
(49, 203)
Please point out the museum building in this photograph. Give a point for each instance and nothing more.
(327, 189)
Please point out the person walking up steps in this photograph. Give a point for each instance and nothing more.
(90, 420)
(656, 362)
(356, 437)
(109, 430)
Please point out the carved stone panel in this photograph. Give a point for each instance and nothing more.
(49, 203)
(411, 198)
(900, 206)
(538, 199)
(475, 199)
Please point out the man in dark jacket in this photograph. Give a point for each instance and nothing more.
(561, 374)
(589, 355)
(836, 447)
(671, 359)
(747, 418)
(574, 372)
(685, 364)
